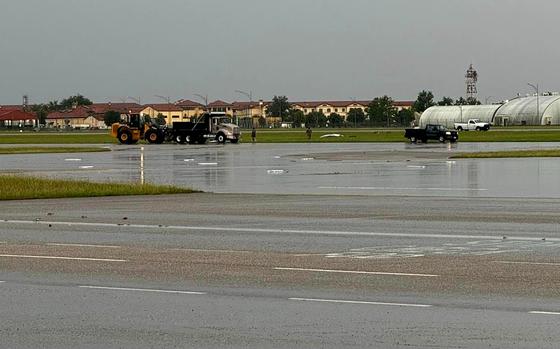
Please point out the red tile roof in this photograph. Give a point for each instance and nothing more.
(123, 108)
(78, 112)
(219, 104)
(187, 103)
(16, 115)
(164, 107)
(339, 104)
(248, 105)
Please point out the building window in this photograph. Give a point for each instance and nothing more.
(320, 110)
(175, 116)
(329, 110)
(336, 110)
(343, 109)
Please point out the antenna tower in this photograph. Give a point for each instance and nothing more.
(471, 79)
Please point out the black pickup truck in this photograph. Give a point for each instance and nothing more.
(438, 132)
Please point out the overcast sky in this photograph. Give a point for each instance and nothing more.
(305, 49)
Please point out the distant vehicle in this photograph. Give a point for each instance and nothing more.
(438, 132)
(217, 126)
(472, 124)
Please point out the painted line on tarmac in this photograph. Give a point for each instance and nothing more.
(528, 263)
(544, 313)
(279, 231)
(355, 272)
(81, 245)
(360, 302)
(209, 250)
(63, 258)
(405, 188)
(140, 290)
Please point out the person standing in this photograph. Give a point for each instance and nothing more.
(254, 134)
(308, 133)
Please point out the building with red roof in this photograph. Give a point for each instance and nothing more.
(10, 117)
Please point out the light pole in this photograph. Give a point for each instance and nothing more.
(205, 99)
(536, 87)
(137, 100)
(261, 104)
(250, 96)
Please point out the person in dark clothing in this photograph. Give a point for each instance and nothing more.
(308, 133)
(254, 134)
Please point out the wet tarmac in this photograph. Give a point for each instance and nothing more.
(343, 169)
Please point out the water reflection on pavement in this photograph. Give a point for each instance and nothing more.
(361, 168)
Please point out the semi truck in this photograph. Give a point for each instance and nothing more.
(213, 126)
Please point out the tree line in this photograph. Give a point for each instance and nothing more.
(380, 112)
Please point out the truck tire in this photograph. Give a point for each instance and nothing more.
(124, 136)
(152, 136)
(478, 128)
(459, 128)
(221, 138)
(180, 139)
(441, 139)
(413, 139)
(161, 137)
(191, 140)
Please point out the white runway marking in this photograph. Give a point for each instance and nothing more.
(208, 250)
(405, 188)
(283, 231)
(544, 313)
(208, 163)
(72, 159)
(63, 258)
(528, 263)
(356, 272)
(140, 290)
(360, 302)
(85, 167)
(82, 245)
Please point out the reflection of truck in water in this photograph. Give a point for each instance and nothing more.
(438, 132)
(217, 126)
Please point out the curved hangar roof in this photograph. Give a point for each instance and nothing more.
(523, 110)
(518, 111)
(448, 115)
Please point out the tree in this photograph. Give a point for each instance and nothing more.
(461, 101)
(280, 107)
(472, 101)
(424, 101)
(297, 118)
(316, 119)
(381, 111)
(160, 119)
(405, 117)
(445, 101)
(41, 111)
(111, 117)
(335, 120)
(72, 101)
(355, 116)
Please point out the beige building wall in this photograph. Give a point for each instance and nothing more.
(170, 116)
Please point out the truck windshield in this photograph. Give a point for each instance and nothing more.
(223, 121)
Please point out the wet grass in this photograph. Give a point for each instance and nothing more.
(24, 187)
(57, 138)
(45, 150)
(543, 153)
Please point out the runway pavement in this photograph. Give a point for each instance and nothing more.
(280, 271)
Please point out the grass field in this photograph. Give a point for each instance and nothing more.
(509, 154)
(43, 150)
(24, 187)
(349, 135)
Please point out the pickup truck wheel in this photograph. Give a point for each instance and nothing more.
(459, 128)
(412, 139)
(441, 139)
(478, 128)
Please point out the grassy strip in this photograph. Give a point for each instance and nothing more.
(43, 150)
(509, 154)
(23, 187)
(57, 138)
